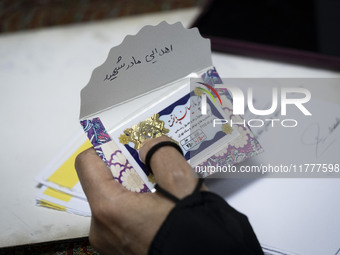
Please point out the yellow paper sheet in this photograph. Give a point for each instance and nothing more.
(66, 175)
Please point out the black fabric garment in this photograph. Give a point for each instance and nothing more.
(203, 223)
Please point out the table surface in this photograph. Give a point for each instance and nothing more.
(41, 75)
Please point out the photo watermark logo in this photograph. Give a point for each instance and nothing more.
(297, 134)
(279, 100)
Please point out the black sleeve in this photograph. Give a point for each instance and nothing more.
(203, 223)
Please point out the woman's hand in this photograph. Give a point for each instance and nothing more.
(125, 222)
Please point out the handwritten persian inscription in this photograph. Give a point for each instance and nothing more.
(123, 64)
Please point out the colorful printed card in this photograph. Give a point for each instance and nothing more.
(179, 116)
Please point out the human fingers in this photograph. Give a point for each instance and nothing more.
(123, 222)
(171, 170)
